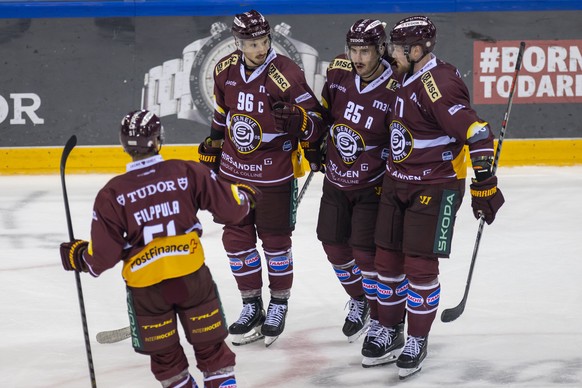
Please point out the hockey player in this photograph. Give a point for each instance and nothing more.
(263, 109)
(359, 89)
(432, 124)
(146, 219)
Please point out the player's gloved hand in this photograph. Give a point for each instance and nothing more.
(72, 255)
(486, 198)
(290, 118)
(315, 155)
(210, 151)
(250, 193)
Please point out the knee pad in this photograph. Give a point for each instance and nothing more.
(205, 324)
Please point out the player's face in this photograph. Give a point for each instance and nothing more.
(398, 53)
(365, 59)
(255, 50)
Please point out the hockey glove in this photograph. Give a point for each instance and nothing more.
(315, 154)
(210, 153)
(290, 118)
(486, 198)
(250, 192)
(72, 255)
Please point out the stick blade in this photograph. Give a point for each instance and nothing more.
(113, 336)
(449, 315)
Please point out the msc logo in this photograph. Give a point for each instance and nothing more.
(430, 86)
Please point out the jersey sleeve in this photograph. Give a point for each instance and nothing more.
(449, 100)
(218, 196)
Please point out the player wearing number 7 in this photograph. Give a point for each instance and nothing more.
(432, 124)
(146, 219)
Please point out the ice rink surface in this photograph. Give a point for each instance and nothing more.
(522, 326)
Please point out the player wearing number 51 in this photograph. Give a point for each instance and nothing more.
(147, 219)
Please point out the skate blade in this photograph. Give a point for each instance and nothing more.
(245, 339)
(269, 340)
(388, 358)
(352, 338)
(405, 373)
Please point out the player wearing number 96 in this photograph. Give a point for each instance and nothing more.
(147, 219)
(263, 109)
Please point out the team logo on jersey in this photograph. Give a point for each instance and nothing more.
(245, 132)
(401, 141)
(348, 142)
(430, 86)
(232, 60)
(369, 286)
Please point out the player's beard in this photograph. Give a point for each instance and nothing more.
(402, 68)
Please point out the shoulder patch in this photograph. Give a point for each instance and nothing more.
(392, 85)
(232, 60)
(430, 86)
(278, 78)
(342, 64)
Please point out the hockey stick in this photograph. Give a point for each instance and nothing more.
(305, 186)
(449, 315)
(71, 143)
(113, 336)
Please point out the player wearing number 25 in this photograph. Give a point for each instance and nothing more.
(146, 219)
(431, 125)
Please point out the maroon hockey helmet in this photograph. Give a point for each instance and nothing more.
(250, 25)
(414, 30)
(139, 129)
(366, 32)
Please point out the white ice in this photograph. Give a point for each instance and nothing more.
(522, 326)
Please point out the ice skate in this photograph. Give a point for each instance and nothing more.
(247, 328)
(382, 344)
(275, 321)
(414, 353)
(357, 320)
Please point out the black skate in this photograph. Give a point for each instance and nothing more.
(247, 328)
(357, 320)
(275, 321)
(382, 344)
(414, 353)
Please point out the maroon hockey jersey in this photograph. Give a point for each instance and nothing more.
(157, 200)
(253, 150)
(431, 122)
(358, 139)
